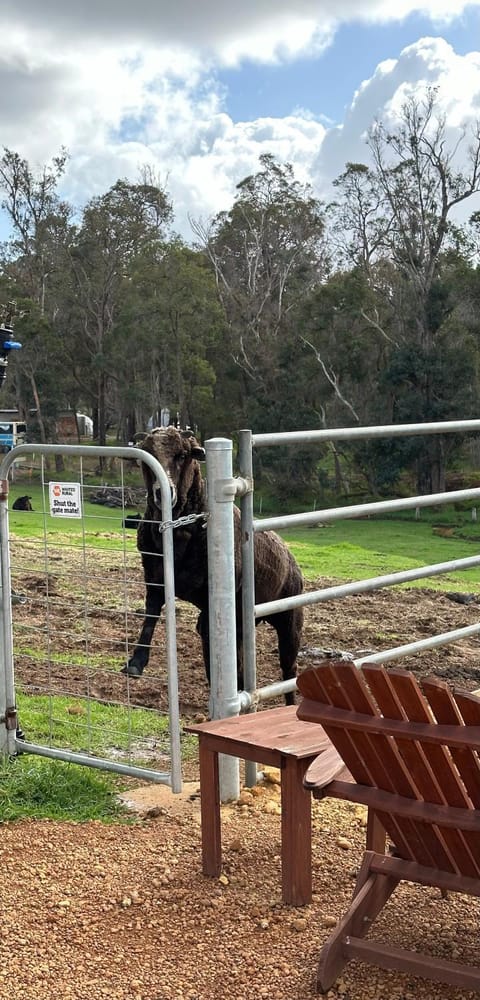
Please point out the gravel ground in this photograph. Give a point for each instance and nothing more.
(93, 911)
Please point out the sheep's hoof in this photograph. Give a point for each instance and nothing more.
(132, 670)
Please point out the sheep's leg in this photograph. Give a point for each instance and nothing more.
(154, 602)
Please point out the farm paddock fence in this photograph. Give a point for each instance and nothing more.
(69, 607)
(252, 695)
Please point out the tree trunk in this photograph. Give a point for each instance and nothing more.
(431, 472)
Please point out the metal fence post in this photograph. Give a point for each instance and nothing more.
(224, 699)
(245, 462)
(7, 686)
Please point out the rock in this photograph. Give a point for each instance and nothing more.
(272, 775)
(300, 924)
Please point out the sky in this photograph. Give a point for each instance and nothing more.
(197, 90)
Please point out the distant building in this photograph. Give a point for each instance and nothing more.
(13, 430)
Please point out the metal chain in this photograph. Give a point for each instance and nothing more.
(179, 522)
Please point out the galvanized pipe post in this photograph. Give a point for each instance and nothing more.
(245, 461)
(224, 697)
(7, 685)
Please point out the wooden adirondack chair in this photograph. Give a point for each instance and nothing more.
(413, 751)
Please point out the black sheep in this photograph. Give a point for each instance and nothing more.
(131, 521)
(277, 575)
(22, 503)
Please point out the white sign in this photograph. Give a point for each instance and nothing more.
(65, 499)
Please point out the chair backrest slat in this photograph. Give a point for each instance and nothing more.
(422, 769)
(446, 710)
(445, 785)
(398, 697)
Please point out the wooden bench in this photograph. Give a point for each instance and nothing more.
(275, 737)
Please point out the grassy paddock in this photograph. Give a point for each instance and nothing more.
(350, 550)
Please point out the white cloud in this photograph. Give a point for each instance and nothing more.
(256, 29)
(121, 85)
(430, 62)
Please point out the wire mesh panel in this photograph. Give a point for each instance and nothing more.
(77, 595)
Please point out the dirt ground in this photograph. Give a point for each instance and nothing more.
(123, 911)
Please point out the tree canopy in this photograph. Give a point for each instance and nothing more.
(285, 314)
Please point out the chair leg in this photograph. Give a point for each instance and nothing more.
(210, 811)
(376, 838)
(296, 834)
(370, 895)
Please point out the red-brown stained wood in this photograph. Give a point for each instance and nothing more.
(429, 800)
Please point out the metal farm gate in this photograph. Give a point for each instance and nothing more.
(70, 612)
(234, 701)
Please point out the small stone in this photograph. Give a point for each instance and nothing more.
(272, 775)
(344, 843)
(223, 880)
(246, 798)
(274, 808)
(300, 924)
(330, 922)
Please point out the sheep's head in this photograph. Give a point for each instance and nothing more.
(178, 453)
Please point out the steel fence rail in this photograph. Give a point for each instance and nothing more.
(363, 586)
(252, 525)
(364, 433)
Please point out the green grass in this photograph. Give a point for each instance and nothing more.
(36, 788)
(92, 727)
(101, 525)
(39, 788)
(349, 550)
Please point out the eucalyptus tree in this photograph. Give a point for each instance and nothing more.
(32, 261)
(172, 307)
(117, 228)
(266, 252)
(396, 215)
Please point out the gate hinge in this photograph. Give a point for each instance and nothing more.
(3, 489)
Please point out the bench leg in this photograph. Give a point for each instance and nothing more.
(210, 811)
(296, 834)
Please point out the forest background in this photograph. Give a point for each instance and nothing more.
(283, 314)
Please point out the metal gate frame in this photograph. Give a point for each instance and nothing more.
(250, 697)
(9, 744)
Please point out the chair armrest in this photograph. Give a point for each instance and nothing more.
(327, 766)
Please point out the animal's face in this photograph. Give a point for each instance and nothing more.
(178, 453)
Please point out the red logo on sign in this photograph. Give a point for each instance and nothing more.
(57, 491)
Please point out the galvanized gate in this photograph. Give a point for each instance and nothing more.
(69, 609)
(252, 695)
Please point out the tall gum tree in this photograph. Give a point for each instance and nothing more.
(267, 252)
(116, 229)
(32, 260)
(398, 216)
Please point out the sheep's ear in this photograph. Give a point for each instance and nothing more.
(199, 453)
